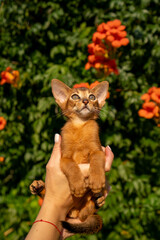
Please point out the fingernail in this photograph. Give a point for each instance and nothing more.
(109, 147)
(56, 138)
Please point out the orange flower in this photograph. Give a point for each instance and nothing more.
(108, 95)
(99, 51)
(9, 69)
(101, 63)
(85, 85)
(98, 65)
(146, 97)
(88, 66)
(114, 33)
(150, 110)
(121, 28)
(10, 76)
(151, 90)
(3, 123)
(116, 44)
(94, 84)
(101, 28)
(91, 47)
(124, 41)
(110, 66)
(1, 159)
(91, 58)
(155, 96)
(40, 201)
(7, 77)
(3, 81)
(109, 36)
(118, 90)
(97, 37)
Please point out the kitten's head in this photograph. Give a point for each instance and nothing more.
(83, 103)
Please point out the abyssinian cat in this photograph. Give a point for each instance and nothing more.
(81, 144)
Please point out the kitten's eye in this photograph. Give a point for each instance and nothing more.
(75, 97)
(92, 97)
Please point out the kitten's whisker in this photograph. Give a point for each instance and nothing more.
(59, 114)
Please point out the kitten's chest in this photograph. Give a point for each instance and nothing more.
(75, 139)
(77, 147)
(77, 142)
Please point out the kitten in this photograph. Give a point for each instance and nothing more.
(81, 144)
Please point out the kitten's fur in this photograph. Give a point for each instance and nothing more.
(81, 144)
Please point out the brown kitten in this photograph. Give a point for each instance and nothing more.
(81, 144)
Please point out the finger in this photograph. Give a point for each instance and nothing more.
(66, 234)
(103, 148)
(109, 158)
(57, 145)
(56, 152)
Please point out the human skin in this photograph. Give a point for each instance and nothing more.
(58, 199)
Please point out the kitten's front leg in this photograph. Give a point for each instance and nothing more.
(97, 171)
(74, 176)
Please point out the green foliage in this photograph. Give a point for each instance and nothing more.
(48, 39)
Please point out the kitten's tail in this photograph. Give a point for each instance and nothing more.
(91, 225)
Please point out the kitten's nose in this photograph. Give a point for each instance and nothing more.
(85, 101)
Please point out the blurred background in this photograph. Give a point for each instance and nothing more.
(41, 40)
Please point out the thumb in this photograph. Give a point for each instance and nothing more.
(56, 153)
(57, 144)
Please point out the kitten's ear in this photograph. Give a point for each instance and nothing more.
(101, 91)
(60, 92)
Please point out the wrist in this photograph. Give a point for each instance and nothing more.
(48, 221)
(54, 207)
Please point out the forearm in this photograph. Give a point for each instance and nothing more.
(51, 212)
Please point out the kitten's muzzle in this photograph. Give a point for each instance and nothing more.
(85, 101)
(85, 107)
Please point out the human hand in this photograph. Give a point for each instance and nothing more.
(55, 178)
(56, 183)
(109, 158)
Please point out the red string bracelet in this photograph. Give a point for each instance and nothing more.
(41, 220)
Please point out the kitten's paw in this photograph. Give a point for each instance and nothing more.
(73, 213)
(100, 201)
(37, 187)
(97, 182)
(78, 188)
